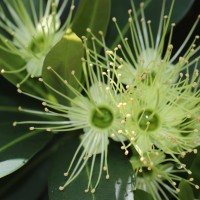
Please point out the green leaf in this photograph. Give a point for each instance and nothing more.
(185, 191)
(195, 171)
(140, 195)
(17, 144)
(152, 12)
(9, 61)
(116, 8)
(119, 185)
(11, 165)
(93, 14)
(64, 58)
(27, 183)
(181, 7)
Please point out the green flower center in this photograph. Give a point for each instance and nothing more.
(148, 120)
(37, 44)
(102, 118)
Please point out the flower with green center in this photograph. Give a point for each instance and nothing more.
(146, 58)
(31, 33)
(166, 117)
(161, 98)
(96, 112)
(156, 174)
(141, 57)
(146, 105)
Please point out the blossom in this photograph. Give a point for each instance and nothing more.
(30, 35)
(161, 97)
(166, 117)
(95, 112)
(145, 56)
(160, 110)
(158, 175)
(140, 91)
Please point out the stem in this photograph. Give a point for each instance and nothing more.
(19, 139)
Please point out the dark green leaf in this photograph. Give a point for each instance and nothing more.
(140, 195)
(119, 186)
(152, 12)
(64, 58)
(93, 14)
(27, 183)
(17, 144)
(195, 171)
(117, 7)
(181, 7)
(185, 191)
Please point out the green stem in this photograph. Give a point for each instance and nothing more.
(19, 139)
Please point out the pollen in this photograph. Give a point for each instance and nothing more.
(114, 19)
(61, 188)
(109, 52)
(197, 187)
(107, 176)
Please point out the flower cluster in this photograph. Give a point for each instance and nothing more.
(95, 112)
(160, 109)
(31, 36)
(142, 94)
(155, 173)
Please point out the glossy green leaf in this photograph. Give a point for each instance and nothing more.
(140, 195)
(119, 185)
(64, 58)
(27, 183)
(185, 191)
(117, 7)
(195, 171)
(10, 100)
(11, 165)
(18, 145)
(152, 12)
(93, 14)
(16, 142)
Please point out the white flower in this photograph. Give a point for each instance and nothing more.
(140, 94)
(165, 117)
(32, 33)
(161, 99)
(96, 113)
(157, 175)
(145, 56)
